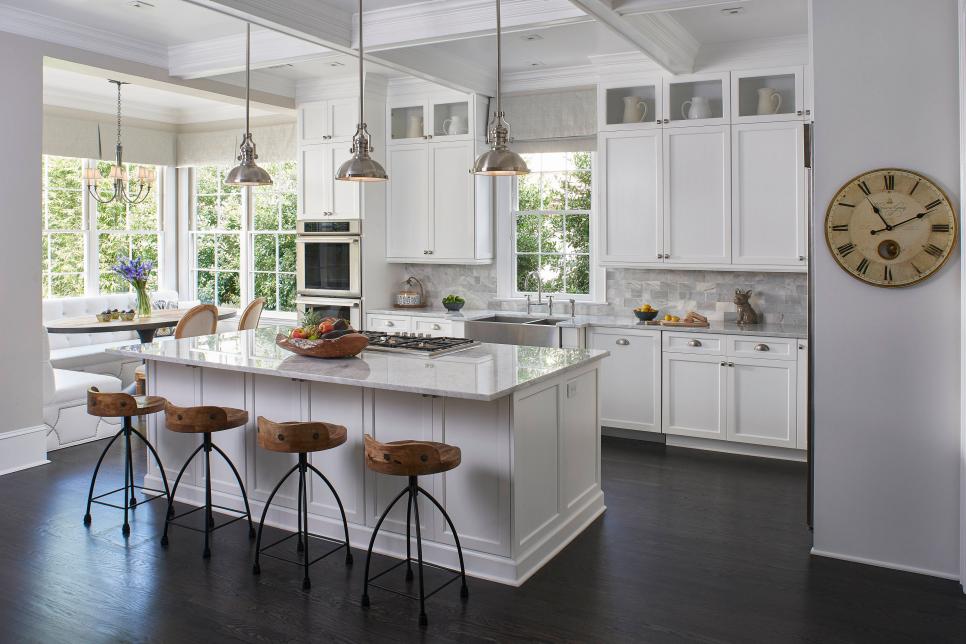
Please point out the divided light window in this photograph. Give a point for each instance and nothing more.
(82, 238)
(243, 239)
(552, 227)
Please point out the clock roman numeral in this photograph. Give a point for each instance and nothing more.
(864, 188)
(863, 266)
(918, 181)
(933, 204)
(887, 274)
(846, 205)
(846, 249)
(940, 228)
(890, 181)
(915, 268)
(842, 228)
(933, 250)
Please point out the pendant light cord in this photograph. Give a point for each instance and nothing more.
(248, 76)
(361, 75)
(499, 61)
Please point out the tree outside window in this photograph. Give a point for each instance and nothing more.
(63, 243)
(552, 224)
(216, 237)
(273, 238)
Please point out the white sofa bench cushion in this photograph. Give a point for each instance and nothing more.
(70, 386)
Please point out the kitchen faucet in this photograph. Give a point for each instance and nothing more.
(539, 302)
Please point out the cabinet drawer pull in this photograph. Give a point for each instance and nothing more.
(623, 342)
(762, 347)
(436, 327)
(694, 343)
(731, 364)
(724, 364)
(390, 323)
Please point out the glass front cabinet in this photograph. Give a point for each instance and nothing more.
(765, 95)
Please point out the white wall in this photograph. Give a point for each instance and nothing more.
(886, 394)
(21, 116)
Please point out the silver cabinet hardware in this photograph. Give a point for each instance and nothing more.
(429, 252)
(667, 121)
(667, 255)
(799, 112)
(390, 323)
(436, 327)
(731, 364)
(762, 347)
(801, 258)
(623, 342)
(808, 112)
(660, 256)
(724, 364)
(694, 343)
(429, 136)
(801, 347)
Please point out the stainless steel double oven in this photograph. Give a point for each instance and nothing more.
(329, 268)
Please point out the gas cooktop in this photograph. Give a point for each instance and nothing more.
(416, 343)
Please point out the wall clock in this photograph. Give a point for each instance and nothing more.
(890, 227)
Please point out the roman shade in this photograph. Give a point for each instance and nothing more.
(276, 143)
(66, 135)
(553, 121)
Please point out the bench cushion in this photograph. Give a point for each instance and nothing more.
(87, 355)
(73, 385)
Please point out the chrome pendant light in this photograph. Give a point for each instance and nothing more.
(118, 177)
(247, 173)
(499, 160)
(361, 167)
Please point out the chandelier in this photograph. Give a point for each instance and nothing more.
(118, 176)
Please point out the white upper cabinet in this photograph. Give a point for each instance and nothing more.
(319, 194)
(451, 200)
(637, 104)
(768, 193)
(408, 220)
(330, 120)
(697, 99)
(630, 196)
(775, 94)
(445, 117)
(697, 195)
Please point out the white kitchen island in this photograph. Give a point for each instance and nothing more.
(526, 420)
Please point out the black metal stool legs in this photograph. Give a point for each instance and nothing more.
(209, 521)
(130, 487)
(302, 534)
(412, 491)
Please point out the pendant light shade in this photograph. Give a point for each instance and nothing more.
(361, 167)
(247, 173)
(499, 160)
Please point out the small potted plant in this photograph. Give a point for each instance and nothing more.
(136, 271)
(453, 303)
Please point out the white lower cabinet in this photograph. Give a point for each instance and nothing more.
(630, 378)
(435, 327)
(694, 392)
(761, 401)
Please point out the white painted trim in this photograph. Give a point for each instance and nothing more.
(221, 55)
(70, 34)
(21, 449)
(742, 449)
(961, 29)
(883, 564)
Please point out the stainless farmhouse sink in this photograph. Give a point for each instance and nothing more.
(515, 329)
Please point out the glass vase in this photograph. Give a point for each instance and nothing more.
(144, 301)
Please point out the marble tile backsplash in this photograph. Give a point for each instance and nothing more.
(778, 297)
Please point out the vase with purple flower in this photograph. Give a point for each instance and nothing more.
(136, 271)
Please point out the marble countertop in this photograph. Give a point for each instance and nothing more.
(766, 330)
(486, 372)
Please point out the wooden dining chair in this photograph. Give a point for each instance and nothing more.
(251, 315)
(199, 320)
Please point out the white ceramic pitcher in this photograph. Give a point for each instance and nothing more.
(635, 109)
(414, 127)
(454, 125)
(697, 107)
(769, 101)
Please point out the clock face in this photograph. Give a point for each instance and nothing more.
(890, 227)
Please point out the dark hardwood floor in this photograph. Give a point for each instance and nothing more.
(694, 547)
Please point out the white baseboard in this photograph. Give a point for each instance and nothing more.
(23, 448)
(885, 564)
(744, 449)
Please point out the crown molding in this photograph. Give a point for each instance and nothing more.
(226, 55)
(434, 22)
(320, 89)
(550, 78)
(70, 34)
(760, 52)
(631, 7)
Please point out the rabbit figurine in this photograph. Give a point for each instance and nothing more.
(746, 314)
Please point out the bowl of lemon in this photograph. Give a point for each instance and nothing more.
(645, 313)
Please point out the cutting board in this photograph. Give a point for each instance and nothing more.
(696, 325)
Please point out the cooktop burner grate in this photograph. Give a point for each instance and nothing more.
(416, 344)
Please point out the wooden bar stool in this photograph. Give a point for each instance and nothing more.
(205, 420)
(120, 405)
(301, 438)
(412, 459)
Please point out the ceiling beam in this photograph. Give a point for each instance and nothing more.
(657, 35)
(226, 55)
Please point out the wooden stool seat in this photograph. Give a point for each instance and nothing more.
(298, 437)
(119, 405)
(410, 458)
(203, 420)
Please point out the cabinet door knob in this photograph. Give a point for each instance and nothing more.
(429, 252)
(801, 347)
(623, 342)
(808, 112)
(799, 113)
(801, 258)
(390, 323)
(667, 121)
(660, 256)
(762, 347)
(731, 364)
(694, 343)
(436, 327)
(724, 364)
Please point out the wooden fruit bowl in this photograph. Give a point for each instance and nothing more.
(349, 345)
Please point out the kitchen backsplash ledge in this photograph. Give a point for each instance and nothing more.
(778, 297)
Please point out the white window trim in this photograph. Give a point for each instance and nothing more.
(505, 203)
(90, 231)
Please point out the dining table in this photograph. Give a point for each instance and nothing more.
(145, 327)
